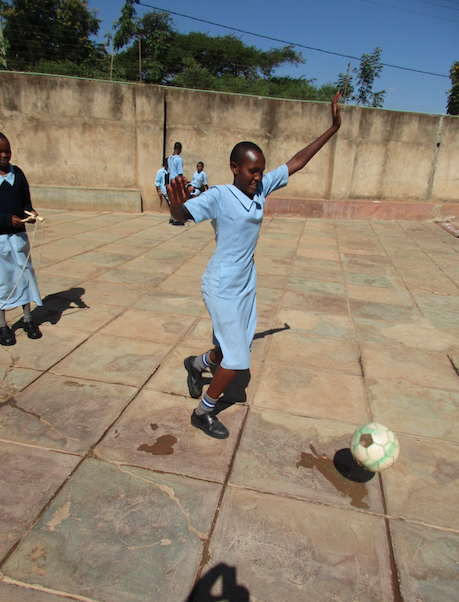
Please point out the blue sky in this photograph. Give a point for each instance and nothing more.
(349, 27)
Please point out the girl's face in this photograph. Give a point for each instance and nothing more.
(249, 173)
(5, 154)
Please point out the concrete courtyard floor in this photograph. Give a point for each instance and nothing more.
(107, 492)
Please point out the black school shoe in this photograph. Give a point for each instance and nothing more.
(194, 379)
(7, 337)
(210, 424)
(32, 330)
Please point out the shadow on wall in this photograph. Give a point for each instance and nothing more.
(222, 580)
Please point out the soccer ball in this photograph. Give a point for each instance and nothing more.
(374, 446)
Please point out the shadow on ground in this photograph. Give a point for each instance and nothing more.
(223, 579)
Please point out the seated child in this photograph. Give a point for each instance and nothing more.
(199, 182)
(229, 282)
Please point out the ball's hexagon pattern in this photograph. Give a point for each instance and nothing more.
(374, 446)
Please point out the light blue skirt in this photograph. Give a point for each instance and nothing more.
(14, 249)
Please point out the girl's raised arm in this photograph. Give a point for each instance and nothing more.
(300, 159)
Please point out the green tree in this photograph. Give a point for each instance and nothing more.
(345, 85)
(453, 98)
(227, 56)
(125, 27)
(50, 31)
(369, 69)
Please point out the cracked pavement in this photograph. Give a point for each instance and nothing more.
(108, 494)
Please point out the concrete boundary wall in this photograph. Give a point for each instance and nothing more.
(84, 142)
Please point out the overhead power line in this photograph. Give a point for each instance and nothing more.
(439, 5)
(408, 10)
(257, 35)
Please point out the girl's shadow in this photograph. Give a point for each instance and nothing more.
(55, 305)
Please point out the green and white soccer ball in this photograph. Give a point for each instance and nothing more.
(374, 446)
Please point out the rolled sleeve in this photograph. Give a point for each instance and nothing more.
(275, 179)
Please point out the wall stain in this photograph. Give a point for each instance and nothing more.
(356, 491)
(163, 446)
(154, 427)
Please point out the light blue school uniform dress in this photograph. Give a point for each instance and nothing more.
(160, 180)
(229, 282)
(199, 178)
(18, 285)
(175, 166)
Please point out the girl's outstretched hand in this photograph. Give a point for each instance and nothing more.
(336, 111)
(177, 191)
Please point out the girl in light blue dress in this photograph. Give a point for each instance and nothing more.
(229, 282)
(18, 285)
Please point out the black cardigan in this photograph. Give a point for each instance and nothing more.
(13, 200)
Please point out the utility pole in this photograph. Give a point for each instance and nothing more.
(111, 62)
(347, 80)
(140, 61)
(2, 44)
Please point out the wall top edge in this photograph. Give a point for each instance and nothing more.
(216, 92)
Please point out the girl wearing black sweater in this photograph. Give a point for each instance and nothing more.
(18, 286)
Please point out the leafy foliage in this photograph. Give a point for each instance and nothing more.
(369, 69)
(345, 85)
(53, 36)
(49, 30)
(453, 97)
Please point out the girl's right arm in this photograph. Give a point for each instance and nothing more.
(304, 156)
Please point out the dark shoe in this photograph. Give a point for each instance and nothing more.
(32, 330)
(210, 424)
(178, 223)
(7, 338)
(194, 380)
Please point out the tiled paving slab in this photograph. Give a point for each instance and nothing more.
(13, 380)
(415, 410)
(29, 478)
(171, 302)
(149, 326)
(416, 366)
(114, 360)
(110, 370)
(427, 561)
(10, 592)
(286, 549)
(418, 333)
(155, 432)
(41, 354)
(75, 315)
(306, 391)
(424, 485)
(316, 323)
(291, 455)
(63, 413)
(316, 352)
(119, 533)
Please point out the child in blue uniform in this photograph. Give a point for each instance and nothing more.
(175, 169)
(160, 183)
(229, 282)
(199, 182)
(17, 286)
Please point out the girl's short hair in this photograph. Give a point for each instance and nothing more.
(240, 150)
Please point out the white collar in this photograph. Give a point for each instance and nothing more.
(9, 177)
